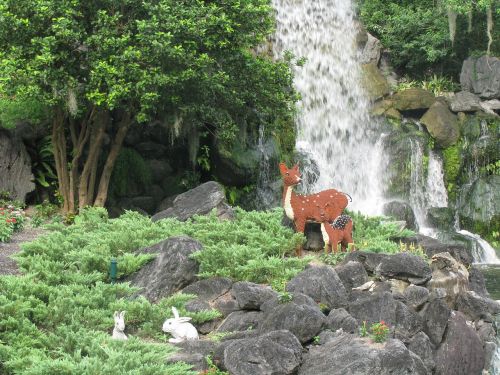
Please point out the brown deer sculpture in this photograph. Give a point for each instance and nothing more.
(324, 206)
(339, 231)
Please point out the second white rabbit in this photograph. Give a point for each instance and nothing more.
(179, 328)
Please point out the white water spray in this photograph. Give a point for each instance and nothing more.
(482, 251)
(334, 126)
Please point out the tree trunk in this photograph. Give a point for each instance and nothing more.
(102, 193)
(59, 150)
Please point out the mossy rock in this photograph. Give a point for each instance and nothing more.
(374, 81)
(442, 218)
(413, 98)
(441, 124)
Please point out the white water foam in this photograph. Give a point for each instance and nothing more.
(482, 251)
(334, 126)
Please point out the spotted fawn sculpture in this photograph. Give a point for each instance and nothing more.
(339, 231)
(324, 206)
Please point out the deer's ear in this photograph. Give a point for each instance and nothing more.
(296, 167)
(283, 168)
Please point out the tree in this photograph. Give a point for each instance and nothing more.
(102, 66)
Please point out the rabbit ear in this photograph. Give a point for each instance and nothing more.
(122, 314)
(116, 314)
(176, 313)
(183, 320)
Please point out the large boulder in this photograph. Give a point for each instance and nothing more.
(241, 321)
(408, 322)
(198, 201)
(475, 307)
(369, 47)
(415, 296)
(368, 259)
(322, 284)
(193, 352)
(465, 101)
(421, 346)
(413, 98)
(449, 276)
(441, 124)
(348, 354)
(461, 352)
(341, 319)
(374, 81)
(477, 282)
(481, 76)
(15, 167)
(209, 290)
(301, 316)
(171, 270)
(352, 274)
(274, 353)
(404, 266)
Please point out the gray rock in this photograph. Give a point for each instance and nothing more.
(370, 50)
(408, 322)
(209, 289)
(197, 305)
(441, 124)
(491, 106)
(304, 320)
(241, 321)
(373, 308)
(275, 353)
(435, 318)
(341, 319)
(420, 344)
(250, 295)
(442, 218)
(15, 167)
(369, 260)
(322, 284)
(481, 76)
(170, 271)
(416, 296)
(401, 211)
(374, 81)
(193, 352)
(297, 298)
(226, 304)
(198, 201)
(159, 169)
(465, 101)
(476, 307)
(404, 266)
(352, 274)
(166, 203)
(350, 355)
(461, 351)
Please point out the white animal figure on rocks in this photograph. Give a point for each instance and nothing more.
(119, 326)
(179, 328)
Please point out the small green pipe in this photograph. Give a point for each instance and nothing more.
(113, 270)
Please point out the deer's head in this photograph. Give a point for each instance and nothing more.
(290, 176)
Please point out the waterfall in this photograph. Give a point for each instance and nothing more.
(482, 251)
(333, 127)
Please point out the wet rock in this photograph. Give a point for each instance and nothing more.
(401, 211)
(374, 81)
(441, 124)
(170, 271)
(413, 98)
(477, 282)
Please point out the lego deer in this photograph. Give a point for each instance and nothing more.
(321, 207)
(339, 231)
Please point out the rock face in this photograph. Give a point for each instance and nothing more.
(193, 352)
(322, 284)
(416, 296)
(435, 318)
(405, 266)
(198, 201)
(481, 76)
(277, 352)
(15, 167)
(370, 47)
(461, 351)
(421, 346)
(442, 124)
(348, 354)
(465, 101)
(171, 271)
(476, 307)
(341, 319)
(241, 321)
(401, 211)
(413, 98)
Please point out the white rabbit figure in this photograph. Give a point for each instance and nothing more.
(119, 326)
(179, 328)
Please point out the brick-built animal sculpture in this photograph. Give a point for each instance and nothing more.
(324, 206)
(340, 230)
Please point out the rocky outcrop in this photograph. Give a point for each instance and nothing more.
(170, 271)
(241, 321)
(481, 76)
(421, 346)
(435, 319)
(476, 307)
(441, 124)
(373, 308)
(198, 201)
(465, 101)
(15, 167)
(352, 275)
(341, 319)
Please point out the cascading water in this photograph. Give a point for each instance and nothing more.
(334, 126)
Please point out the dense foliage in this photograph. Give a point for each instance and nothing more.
(100, 67)
(11, 219)
(418, 32)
